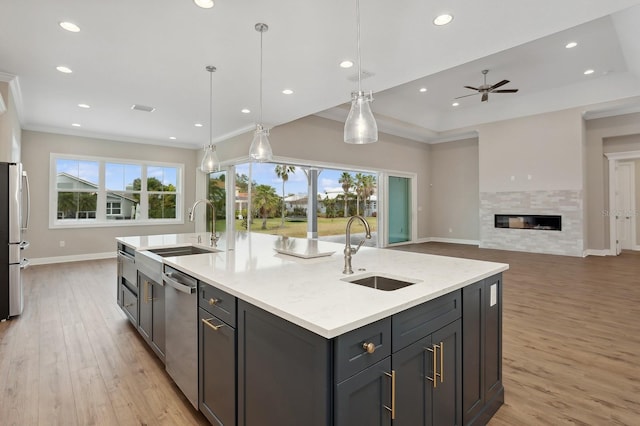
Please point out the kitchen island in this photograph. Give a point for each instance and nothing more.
(303, 343)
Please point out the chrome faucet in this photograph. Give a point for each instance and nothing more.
(214, 239)
(350, 251)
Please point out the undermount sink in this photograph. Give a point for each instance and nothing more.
(182, 251)
(380, 282)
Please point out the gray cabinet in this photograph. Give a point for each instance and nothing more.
(284, 372)
(366, 398)
(151, 320)
(127, 283)
(420, 384)
(428, 379)
(483, 391)
(217, 356)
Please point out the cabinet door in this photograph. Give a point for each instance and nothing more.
(217, 395)
(361, 399)
(157, 327)
(413, 366)
(283, 371)
(473, 327)
(447, 394)
(145, 316)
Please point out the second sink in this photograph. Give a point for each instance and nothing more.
(380, 282)
(182, 251)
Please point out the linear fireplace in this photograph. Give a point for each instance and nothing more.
(529, 221)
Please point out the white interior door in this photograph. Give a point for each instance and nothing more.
(625, 206)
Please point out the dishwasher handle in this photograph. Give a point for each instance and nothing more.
(188, 289)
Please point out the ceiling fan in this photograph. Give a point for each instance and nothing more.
(485, 89)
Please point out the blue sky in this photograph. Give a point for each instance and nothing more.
(118, 176)
(264, 173)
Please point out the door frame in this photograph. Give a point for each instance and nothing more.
(614, 159)
(383, 213)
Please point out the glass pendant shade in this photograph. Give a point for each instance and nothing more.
(260, 147)
(360, 126)
(210, 162)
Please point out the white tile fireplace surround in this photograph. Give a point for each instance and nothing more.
(566, 203)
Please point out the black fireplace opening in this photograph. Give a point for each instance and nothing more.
(529, 221)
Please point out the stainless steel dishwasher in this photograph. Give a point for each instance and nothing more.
(181, 315)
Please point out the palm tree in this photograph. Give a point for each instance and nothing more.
(265, 200)
(282, 171)
(347, 182)
(369, 189)
(359, 184)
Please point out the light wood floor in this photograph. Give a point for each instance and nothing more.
(571, 346)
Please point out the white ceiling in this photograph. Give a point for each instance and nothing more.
(154, 52)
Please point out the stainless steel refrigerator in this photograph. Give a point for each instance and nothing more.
(14, 221)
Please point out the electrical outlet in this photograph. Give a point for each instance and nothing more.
(62, 243)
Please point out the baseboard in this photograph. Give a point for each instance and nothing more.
(452, 241)
(636, 248)
(594, 252)
(72, 258)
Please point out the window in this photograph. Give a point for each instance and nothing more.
(101, 192)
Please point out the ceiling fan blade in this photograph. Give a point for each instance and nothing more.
(472, 88)
(473, 94)
(499, 84)
(485, 97)
(505, 91)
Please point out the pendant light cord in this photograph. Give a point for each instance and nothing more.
(211, 109)
(261, 33)
(358, 44)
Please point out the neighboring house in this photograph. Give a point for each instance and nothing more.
(118, 206)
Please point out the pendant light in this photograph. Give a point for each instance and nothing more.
(210, 162)
(360, 126)
(260, 147)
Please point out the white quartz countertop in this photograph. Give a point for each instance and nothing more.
(311, 292)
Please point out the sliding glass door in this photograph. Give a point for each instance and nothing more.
(399, 224)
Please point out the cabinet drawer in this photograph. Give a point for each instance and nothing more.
(127, 261)
(350, 355)
(130, 304)
(422, 320)
(218, 303)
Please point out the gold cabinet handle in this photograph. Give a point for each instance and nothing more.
(213, 301)
(129, 305)
(393, 394)
(369, 347)
(441, 362)
(214, 327)
(434, 350)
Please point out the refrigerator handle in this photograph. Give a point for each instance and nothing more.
(25, 219)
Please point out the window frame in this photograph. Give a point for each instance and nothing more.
(102, 219)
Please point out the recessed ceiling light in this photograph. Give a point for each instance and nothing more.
(85, 106)
(443, 19)
(455, 104)
(64, 69)
(173, 138)
(287, 91)
(69, 26)
(198, 125)
(571, 45)
(245, 111)
(76, 125)
(205, 4)
(346, 64)
(423, 89)
(587, 72)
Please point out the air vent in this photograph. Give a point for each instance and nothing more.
(142, 108)
(365, 75)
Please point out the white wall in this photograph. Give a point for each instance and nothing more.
(453, 190)
(45, 242)
(10, 131)
(547, 147)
